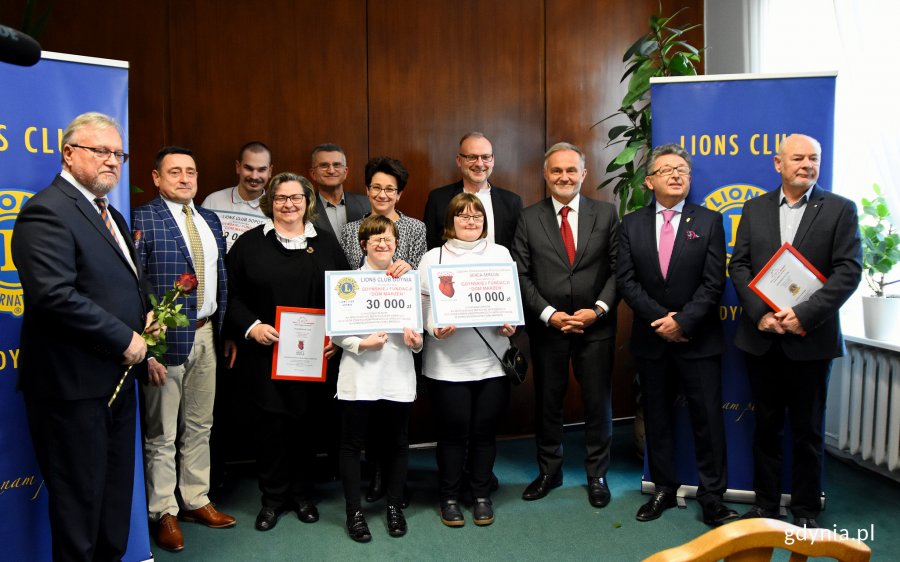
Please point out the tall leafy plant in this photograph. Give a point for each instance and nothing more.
(880, 242)
(663, 51)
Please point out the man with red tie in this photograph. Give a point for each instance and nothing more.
(565, 249)
(671, 272)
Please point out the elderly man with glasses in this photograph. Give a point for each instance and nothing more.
(328, 171)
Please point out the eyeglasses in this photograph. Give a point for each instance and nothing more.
(295, 199)
(472, 158)
(103, 153)
(667, 171)
(389, 191)
(466, 218)
(324, 167)
(388, 240)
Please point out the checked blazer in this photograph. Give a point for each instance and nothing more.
(164, 255)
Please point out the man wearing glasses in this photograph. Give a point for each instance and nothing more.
(328, 171)
(475, 160)
(671, 272)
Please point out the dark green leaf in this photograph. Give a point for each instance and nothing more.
(616, 131)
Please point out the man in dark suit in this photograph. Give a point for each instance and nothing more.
(174, 237)
(565, 248)
(328, 171)
(83, 312)
(789, 352)
(671, 272)
(475, 161)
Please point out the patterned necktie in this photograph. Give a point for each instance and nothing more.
(666, 241)
(196, 252)
(565, 229)
(107, 220)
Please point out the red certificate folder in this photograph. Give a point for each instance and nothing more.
(303, 347)
(786, 247)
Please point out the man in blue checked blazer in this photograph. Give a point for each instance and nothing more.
(173, 236)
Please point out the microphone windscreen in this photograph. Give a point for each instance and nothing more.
(17, 48)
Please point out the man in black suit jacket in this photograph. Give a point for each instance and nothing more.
(328, 171)
(671, 272)
(84, 308)
(565, 248)
(475, 161)
(789, 352)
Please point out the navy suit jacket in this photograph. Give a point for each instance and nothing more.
(507, 207)
(83, 301)
(357, 206)
(692, 288)
(547, 279)
(828, 236)
(164, 256)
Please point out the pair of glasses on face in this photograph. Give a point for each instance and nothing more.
(668, 171)
(324, 167)
(389, 191)
(282, 199)
(477, 219)
(103, 153)
(472, 158)
(386, 240)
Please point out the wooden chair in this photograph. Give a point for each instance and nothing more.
(754, 540)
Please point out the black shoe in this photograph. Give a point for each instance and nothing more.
(660, 502)
(267, 518)
(542, 486)
(808, 522)
(307, 513)
(484, 511)
(376, 488)
(718, 514)
(757, 512)
(451, 515)
(495, 483)
(396, 522)
(357, 527)
(598, 492)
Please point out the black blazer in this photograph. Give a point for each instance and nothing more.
(507, 207)
(357, 205)
(547, 279)
(82, 299)
(828, 236)
(692, 288)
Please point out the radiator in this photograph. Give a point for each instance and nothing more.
(864, 406)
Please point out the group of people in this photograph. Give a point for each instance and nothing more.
(87, 280)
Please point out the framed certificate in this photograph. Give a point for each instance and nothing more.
(787, 280)
(299, 354)
(470, 295)
(366, 301)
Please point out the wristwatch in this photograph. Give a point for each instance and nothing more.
(598, 310)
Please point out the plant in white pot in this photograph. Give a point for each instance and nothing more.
(881, 252)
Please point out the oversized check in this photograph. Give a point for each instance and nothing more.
(469, 295)
(367, 301)
(234, 224)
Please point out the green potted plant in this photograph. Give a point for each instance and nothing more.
(881, 252)
(662, 51)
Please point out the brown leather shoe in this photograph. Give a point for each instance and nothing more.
(168, 533)
(208, 516)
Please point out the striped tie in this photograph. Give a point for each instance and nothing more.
(107, 220)
(196, 252)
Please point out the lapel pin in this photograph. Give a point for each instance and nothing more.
(688, 219)
(310, 249)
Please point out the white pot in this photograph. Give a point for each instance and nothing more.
(881, 318)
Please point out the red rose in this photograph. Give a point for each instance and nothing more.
(186, 283)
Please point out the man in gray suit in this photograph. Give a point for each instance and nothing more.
(789, 352)
(565, 248)
(328, 171)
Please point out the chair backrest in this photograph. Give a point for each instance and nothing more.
(754, 540)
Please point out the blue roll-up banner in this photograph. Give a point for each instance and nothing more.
(36, 104)
(732, 126)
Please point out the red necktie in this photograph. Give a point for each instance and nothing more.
(566, 231)
(666, 241)
(104, 215)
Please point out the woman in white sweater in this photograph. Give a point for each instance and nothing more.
(377, 381)
(468, 388)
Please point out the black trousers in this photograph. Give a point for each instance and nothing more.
(592, 365)
(797, 390)
(468, 416)
(701, 381)
(85, 451)
(392, 441)
(285, 457)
